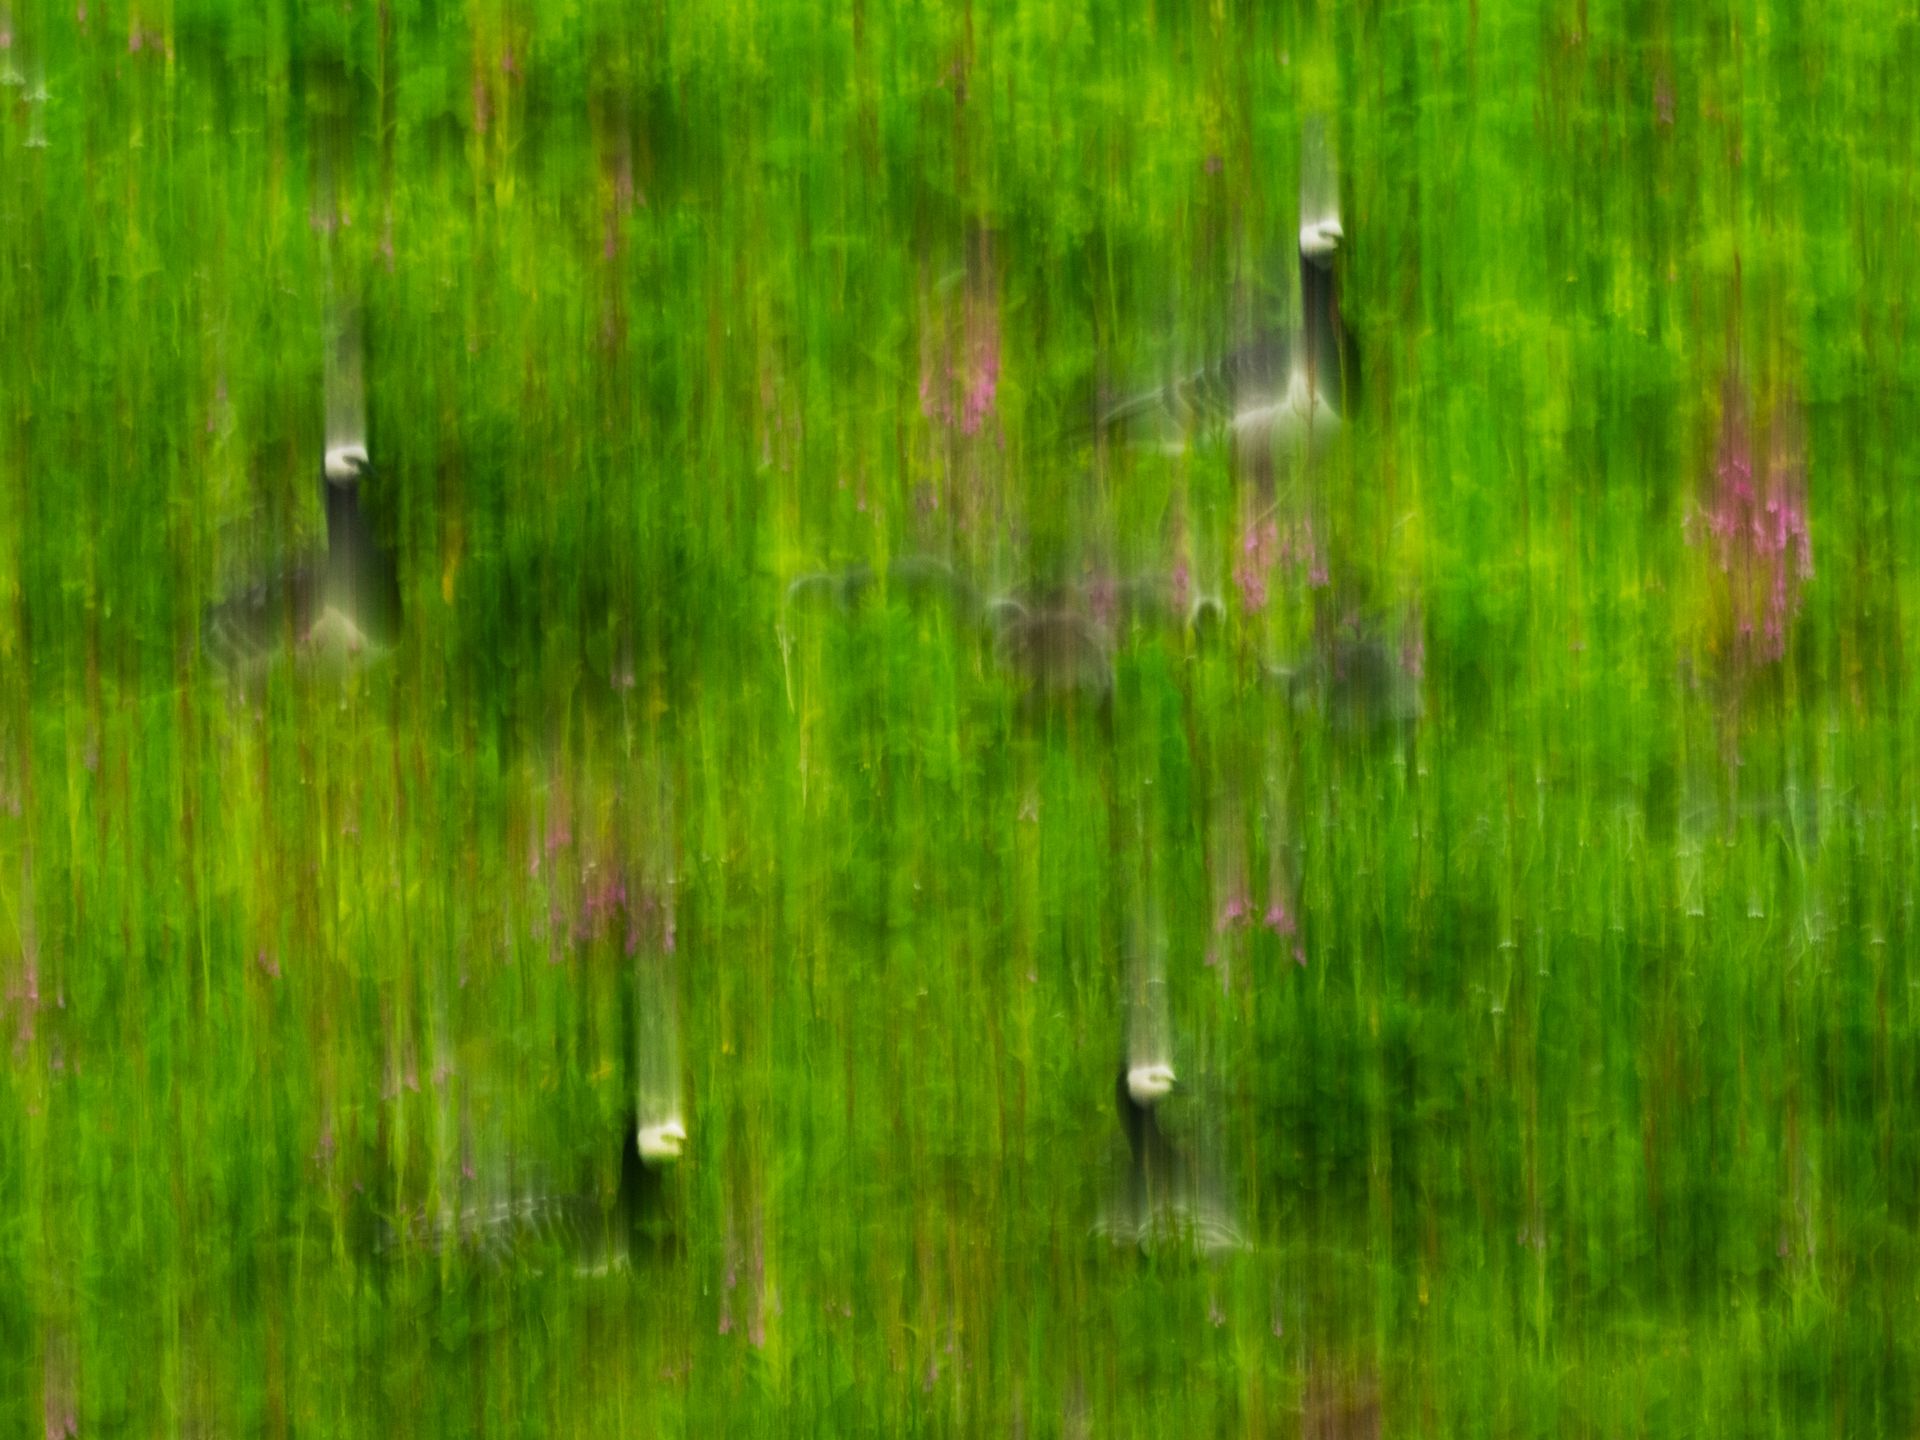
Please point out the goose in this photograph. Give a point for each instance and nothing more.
(916, 578)
(1058, 641)
(1356, 679)
(1061, 641)
(343, 603)
(1165, 1204)
(598, 1235)
(1053, 641)
(1356, 682)
(1055, 645)
(1137, 1095)
(340, 604)
(533, 1223)
(1286, 386)
(1340, 1404)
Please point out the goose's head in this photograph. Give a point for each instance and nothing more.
(1320, 239)
(1150, 1083)
(345, 462)
(660, 1143)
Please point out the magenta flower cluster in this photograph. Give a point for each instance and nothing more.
(1266, 546)
(960, 365)
(1237, 914)
(1756, 527)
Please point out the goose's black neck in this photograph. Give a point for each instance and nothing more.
(641, 1203)
(1329, 346)
(361, 577)
(1143, 1130)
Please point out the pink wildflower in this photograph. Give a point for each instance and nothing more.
(1260, 551)
(1103, 598)
(1758, 530)
(1266, 547)
(482, 103)
(1413, 650)
(960, 373)
(986, 380)
(1182, 585)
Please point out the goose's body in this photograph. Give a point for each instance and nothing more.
(1056, 649)
(1290, 386)
(1357, 682)
(915, 578)
(1058, 642)
(1053, 642)
(336, 606)
(593, 1233)
(525, 1229)
(1285, 387)
(1164, 1206)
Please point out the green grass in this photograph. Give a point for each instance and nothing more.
(1589, 1110)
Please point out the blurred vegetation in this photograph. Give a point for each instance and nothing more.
(1560, 1037)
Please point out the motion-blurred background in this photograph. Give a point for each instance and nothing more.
(824, 715)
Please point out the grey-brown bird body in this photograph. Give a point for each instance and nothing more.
(1357, 680)
(1280, 382)
(1056, 647)
(1290, 382)
(339, 603)
(1056, 641)
(1166, 1203)
(580, 1226)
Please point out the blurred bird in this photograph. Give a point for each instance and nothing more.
(1138, 1094)
(1289, 382)
(1054, 644)
(1340, 1405)
(914, 578)
(597, 1234)
(1057, 640)
(1166, 1204)
(595, 1230)
(345, 602)
(1355, 679)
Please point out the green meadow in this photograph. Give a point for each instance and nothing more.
(1550, 1024)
